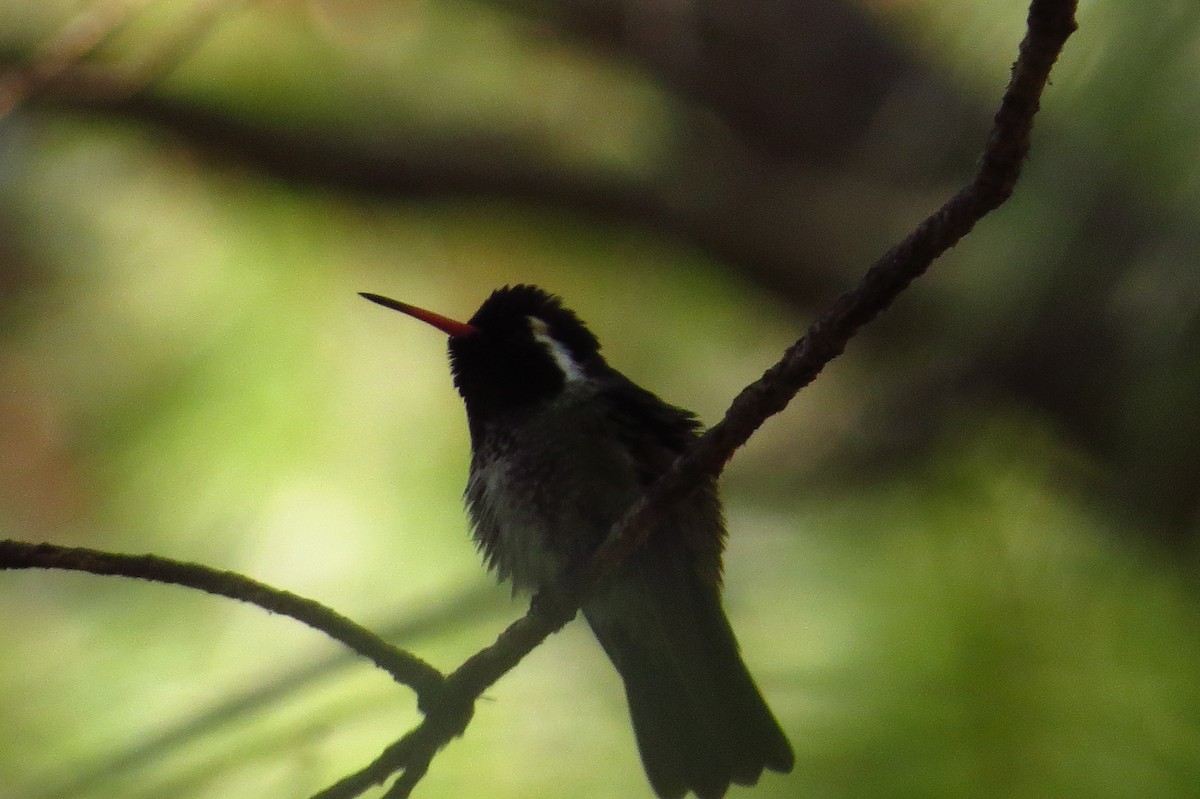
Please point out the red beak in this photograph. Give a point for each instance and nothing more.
(450, 327)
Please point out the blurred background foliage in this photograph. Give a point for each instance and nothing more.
(961, 564)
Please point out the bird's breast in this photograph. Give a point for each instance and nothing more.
(542, 498)
(514, 535)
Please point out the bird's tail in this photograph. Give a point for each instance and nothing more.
(700, 720)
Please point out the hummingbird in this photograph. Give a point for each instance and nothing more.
(561, 445)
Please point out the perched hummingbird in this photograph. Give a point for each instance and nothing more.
(561, 445)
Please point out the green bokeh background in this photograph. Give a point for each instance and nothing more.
(185, 369)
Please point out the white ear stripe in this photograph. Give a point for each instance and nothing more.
(561, 356)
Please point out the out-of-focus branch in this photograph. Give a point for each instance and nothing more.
(62, 52)
(61, 62)
(417, 619)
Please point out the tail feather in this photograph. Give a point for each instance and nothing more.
(675, 750)
(699, 719)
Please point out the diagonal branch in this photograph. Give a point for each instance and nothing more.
(1050, 23)
(404, 667)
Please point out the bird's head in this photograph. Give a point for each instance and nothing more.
(521, 348)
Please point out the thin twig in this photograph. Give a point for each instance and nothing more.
(404, 667)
